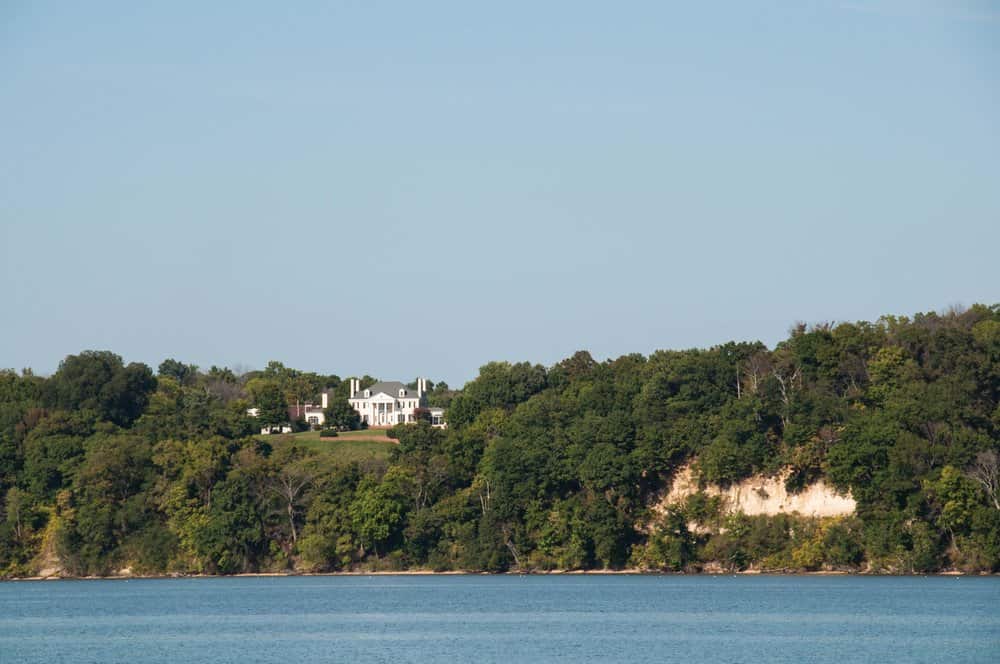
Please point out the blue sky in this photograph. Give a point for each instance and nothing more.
(405, 189)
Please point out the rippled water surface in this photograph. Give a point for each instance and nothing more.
(503, 619)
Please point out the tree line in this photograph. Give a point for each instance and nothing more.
(106, 466)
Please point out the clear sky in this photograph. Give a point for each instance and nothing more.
(417, 188)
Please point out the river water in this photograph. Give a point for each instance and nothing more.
(591, 618)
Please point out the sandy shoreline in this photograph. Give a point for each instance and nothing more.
(423, 572)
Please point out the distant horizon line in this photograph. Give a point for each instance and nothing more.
(241, 369)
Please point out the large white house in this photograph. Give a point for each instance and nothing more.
(383, 404)
(388, 403)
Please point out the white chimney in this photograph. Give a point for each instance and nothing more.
(326, 400)
(353, 387)
(420, 388)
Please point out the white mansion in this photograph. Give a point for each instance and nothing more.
(389, 403)
(383, 404)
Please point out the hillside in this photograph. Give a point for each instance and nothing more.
(868, 447)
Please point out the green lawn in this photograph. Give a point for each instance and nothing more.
(347, 447)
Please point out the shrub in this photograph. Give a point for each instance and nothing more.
(328, 433)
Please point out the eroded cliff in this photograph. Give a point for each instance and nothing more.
(763, 495)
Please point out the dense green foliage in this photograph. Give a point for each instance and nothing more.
(340, 416)
(104, 466)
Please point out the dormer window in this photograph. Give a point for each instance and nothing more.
(368, 393)
(402, 393)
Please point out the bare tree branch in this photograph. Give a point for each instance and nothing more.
(986, 471)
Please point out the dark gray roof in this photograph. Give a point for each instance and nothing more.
(390, 387)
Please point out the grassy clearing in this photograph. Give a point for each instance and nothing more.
(347, 447)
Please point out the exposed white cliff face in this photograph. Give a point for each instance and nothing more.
(764, 495)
